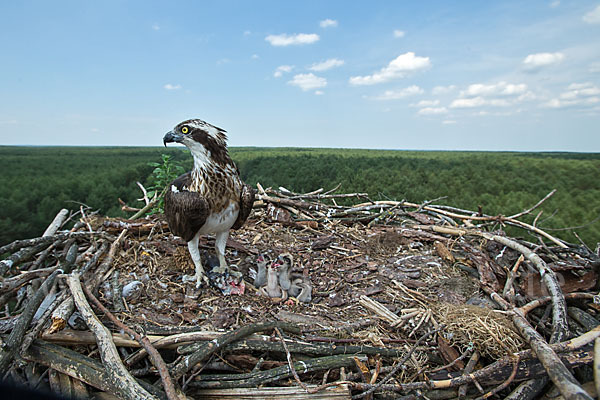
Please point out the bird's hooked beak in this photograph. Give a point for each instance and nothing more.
(171, 137)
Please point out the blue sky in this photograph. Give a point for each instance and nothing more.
(470, 75)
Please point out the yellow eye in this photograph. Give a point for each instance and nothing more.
(185, 129)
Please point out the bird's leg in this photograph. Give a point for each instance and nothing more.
(220, 243)
(195, 253)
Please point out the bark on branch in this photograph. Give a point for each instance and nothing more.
(120, 379)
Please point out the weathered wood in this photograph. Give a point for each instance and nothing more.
(19, 244)
(56, 223)
(17, 281)
(78, 366)
(71, 338)
(382, 311)
(253, 379)
(301, 348)
(120, 380)
(36, 330)
(63, 312)
(21, 255)
(154, 355)
(11, 345)
(274, 393)
(491, 375)
(189, 361)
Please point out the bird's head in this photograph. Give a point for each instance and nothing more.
(204, 140)
(274, 266)
(263, 259)
(285, 259)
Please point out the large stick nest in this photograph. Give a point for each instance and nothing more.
(384, 274)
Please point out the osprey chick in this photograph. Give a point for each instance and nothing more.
(211, 198)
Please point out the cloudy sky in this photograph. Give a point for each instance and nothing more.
(469, 75)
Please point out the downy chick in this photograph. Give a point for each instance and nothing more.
(261, 273)
(272, 289)
(301, 289)
(296, 285)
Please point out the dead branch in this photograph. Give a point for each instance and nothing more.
(155, 356)
(254, 379)
(59, 237)
(189, 361)
(398, 366)
(78, 366)
(56, 223)
(11, 345)
(119, 378)
(539, 203)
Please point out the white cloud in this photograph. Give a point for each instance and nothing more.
(496, 89)
(397, 68)
(448, 122)
(282, 69)
(398, 33)
(308, 81)
(558, 103)
(527, 96)
(538, 60)
(326, 23)
(577, 94)
(426, 103)
(255, 56)
(155, 27)
(501, 94)
(319, 92)
(468, 103)
(593, 17)
(247, 33)
(442, 89)
(499, 102)
(327, 64)
(289, 40)
(399, 94)
(169, 86)
(555, 4)
(433, 111)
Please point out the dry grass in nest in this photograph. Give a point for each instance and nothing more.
(489, 332)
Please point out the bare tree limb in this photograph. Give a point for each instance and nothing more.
(120, 379)
(154, 355)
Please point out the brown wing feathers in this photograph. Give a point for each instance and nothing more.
(186, 211)
(246, 202)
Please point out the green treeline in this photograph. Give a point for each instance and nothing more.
(37, 181)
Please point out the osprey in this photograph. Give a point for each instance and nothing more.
(211, 198)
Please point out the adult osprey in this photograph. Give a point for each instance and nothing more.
(211, 198)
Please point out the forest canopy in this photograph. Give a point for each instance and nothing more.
(37, 182)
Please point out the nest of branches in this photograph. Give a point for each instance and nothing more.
(408, 299)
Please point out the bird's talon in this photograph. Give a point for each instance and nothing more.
(218, 270)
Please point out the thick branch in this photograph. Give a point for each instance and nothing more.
(78, 366)
(188, 362)
(120, 379)
(11, 345)
(155, 356)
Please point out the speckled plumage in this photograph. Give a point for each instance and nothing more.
(211, 198)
